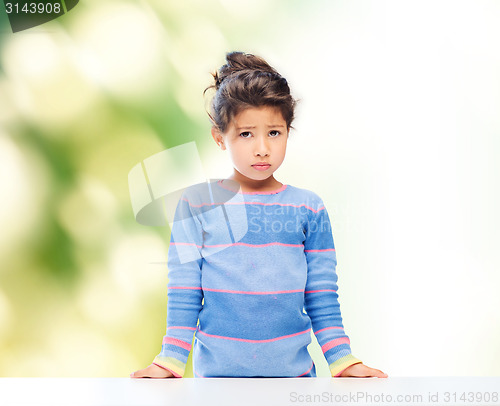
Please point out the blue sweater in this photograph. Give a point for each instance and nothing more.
(250, 274)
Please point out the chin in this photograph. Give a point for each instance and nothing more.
(264, 176)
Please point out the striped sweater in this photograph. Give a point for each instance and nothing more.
(249, 275)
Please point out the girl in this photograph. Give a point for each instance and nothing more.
(248, 254)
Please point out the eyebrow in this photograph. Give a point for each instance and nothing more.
(269, 126)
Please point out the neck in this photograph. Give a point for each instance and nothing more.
(237, 181)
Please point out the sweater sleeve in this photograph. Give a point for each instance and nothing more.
(184, 289)
(321, 298)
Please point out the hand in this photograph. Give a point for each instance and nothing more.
(152, 371)
(362, 371)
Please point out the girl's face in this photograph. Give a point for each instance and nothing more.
(256, 136)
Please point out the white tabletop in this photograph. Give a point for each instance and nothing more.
(243, 392)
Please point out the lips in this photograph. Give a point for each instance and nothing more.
(261, 166)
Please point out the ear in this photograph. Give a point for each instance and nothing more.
(217, 136)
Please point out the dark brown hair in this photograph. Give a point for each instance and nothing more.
(247, 81)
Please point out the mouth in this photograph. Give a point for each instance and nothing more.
(261, 167)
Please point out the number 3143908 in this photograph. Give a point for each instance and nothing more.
(33, 8)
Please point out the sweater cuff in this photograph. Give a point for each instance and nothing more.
(171, 364)
(337, 367)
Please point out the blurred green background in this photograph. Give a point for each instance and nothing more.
(397, 130)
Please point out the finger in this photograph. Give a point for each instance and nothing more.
(378, 373)
(372, 372)
(368, 372)
(139, 374)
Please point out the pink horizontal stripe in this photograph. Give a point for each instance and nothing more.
(334, 343)
(320, 290)
(255, 341)
(178, 343)
(182, 327)
(256, 245)
(328, 328)
(237, 243)
(219, 183)
(322, 250)
(185, 287)
(277, 292)
(305, 373)
(257, 203)
(168, 369)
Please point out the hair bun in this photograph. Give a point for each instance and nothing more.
(241, 62)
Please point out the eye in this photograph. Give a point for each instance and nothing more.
(274, 133)
(246, 134)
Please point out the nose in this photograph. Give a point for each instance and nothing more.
(261, 146)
